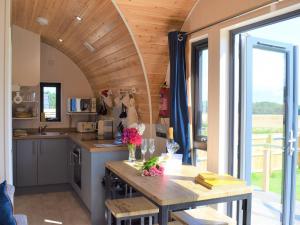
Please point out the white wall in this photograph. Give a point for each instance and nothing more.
(218, 36)
(5, 79)
(26, 57)
(57, 67)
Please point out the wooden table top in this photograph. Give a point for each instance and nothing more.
(173, 187)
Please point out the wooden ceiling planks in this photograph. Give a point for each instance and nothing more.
(150, 22)
(115, 63)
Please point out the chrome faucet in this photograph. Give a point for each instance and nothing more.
(42, 129)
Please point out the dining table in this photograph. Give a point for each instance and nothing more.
(176, 189)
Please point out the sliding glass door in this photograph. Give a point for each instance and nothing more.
(267, 127)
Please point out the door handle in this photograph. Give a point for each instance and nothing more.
(291, 142)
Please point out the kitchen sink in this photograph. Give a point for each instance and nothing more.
(50, 133)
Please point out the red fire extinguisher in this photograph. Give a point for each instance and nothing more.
(164, 109)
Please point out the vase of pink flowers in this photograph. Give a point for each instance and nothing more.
(132, 138)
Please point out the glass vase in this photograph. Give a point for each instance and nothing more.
(131, 150)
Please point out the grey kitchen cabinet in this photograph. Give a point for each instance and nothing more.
(40, 162)
(86, 177)
(70, 162)
(14, 154)
(26, 156)
(53, 162)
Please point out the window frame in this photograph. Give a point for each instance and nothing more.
(196, 84)
(58, 100)
(234, 141)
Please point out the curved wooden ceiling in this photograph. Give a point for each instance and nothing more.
(115, 63)
(150, 22)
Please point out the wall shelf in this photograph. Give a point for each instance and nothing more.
(25, 118)
(71, 114)
(29, 102)
(81, 113)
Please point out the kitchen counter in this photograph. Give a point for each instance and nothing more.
(47, 135)
(53, 158)
(85, 140)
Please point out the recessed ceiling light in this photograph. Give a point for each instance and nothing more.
(78, 18)
(60, 40)
(42, 21)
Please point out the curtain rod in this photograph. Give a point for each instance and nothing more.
(235, 16)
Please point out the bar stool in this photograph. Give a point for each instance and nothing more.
(202, 216)
(131, 208)
(174, 223)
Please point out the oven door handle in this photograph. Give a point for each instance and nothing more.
(71, 161)
(77, 156)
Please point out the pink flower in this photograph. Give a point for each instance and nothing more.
(131, 136)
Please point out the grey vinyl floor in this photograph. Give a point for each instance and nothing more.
(52, 208)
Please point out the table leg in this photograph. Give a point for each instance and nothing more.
(107, 184)
(163, 216)
(247, 205)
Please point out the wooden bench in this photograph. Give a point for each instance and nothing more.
(202, 216)
(131, 208)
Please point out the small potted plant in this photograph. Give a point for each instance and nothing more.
(132, 138)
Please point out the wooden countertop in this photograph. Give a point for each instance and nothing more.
(90, 144)
(52, 135)
(84, 140)
(174, 187)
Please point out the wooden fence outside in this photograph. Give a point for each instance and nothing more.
(267, 152)
(267, 156)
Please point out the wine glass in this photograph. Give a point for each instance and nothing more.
(144, 148)
(151, 146)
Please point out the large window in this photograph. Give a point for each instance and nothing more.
(51, 102)
(200, 77)
(200, 101)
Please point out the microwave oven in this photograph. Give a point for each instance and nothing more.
(81, 105)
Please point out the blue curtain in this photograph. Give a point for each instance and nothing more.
(179, 118)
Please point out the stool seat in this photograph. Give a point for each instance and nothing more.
(173, 223)
(131, 207)
(202, 216)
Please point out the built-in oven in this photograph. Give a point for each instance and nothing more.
(77, 166)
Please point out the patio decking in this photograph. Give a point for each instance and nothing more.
(266, 209)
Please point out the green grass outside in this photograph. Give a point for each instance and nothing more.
(260, 130)
(275, 182)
